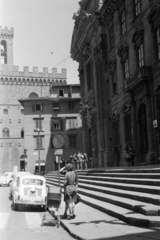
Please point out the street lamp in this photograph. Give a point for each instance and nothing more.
(39, 159)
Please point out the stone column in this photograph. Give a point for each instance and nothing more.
(150, 155)
(135, 131)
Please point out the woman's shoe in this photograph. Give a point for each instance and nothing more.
(70, 217)
(73, 217)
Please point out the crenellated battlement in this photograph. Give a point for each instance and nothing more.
(13, 70)
(6, 32)
(10, 75)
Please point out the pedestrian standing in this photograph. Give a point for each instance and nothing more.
(81, 160)
(85, 161)
(76, 162)
(132, 153)
(127, 155)
(70, 186)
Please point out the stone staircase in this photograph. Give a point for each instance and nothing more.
(131, 195)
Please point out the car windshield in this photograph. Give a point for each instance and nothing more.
(32, 181)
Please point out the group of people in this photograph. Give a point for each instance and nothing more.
(130, 155)
(79, 161)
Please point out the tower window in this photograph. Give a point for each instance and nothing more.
(5, 132)
(5, 111)
(22, 133)
(3, 49)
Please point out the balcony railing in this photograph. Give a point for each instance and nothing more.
(141, 75)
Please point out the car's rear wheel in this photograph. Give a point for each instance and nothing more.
(14, 205)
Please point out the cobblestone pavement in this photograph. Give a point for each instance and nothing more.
(26, 225)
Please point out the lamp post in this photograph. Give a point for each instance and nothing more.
(39, 158)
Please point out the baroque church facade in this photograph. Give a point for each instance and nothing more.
(117, 46)
(15, 85)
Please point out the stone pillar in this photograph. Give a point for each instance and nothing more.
(134, 131)
(150, 156)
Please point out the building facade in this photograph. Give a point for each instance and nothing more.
(117, 45)
(14, 85)
(50, 124)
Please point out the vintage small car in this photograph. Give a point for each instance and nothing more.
(6, 178)
(29, 190)
(13, 183)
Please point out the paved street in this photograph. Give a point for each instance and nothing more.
(24, 225)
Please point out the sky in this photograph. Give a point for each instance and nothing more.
(40, 28)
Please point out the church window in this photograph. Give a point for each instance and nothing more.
(140, 55)
(137, 7)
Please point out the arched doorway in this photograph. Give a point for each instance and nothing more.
(142, 130)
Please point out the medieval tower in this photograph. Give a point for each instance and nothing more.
(14, 85)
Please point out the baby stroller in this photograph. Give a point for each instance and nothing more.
(53, 203)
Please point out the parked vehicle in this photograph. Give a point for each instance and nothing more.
(6, 178)
(13, 183)
(29, 190)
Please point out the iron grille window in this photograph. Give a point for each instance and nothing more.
(137, 7)
(127, 128)
(158, 42)
(123, 22)
(72, 141)
(140, 56)
(39, 142)
(115, 132)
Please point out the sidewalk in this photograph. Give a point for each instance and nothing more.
(96, 225)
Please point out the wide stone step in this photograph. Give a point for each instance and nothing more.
(153, 182)
(125, 214)
(148, 188)
(123, 175)
(134, 195)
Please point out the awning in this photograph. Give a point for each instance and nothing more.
(41, 164)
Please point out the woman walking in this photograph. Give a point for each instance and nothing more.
(70, 194)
